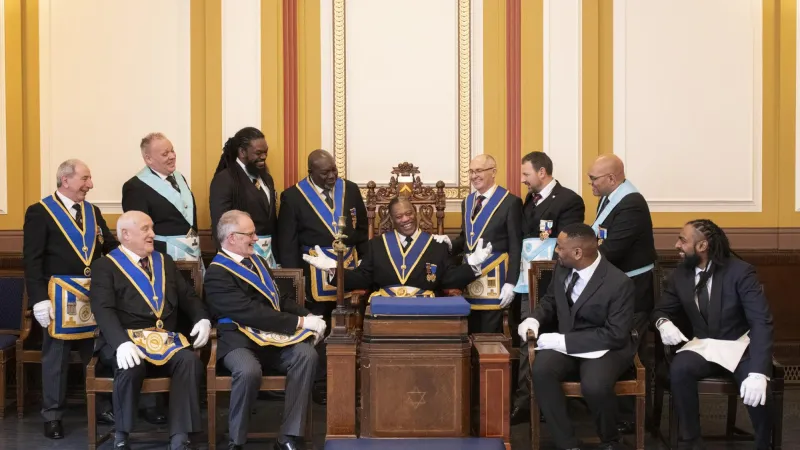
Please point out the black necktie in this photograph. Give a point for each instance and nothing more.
(248, 264)
(407, 243)
(173, 182)
(145, 264)
(478, 206)
(328, 199)
(602, 205)
(571, 286)
(78, 214)
(702, 293)
(536, 198)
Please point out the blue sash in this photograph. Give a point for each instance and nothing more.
(83, 239)
(328, 216)
(151, 291)
(178, 249)
(474, 229)
(404, 262)
(182, 201)
(321, 290)
(484, 293)
(264, 338)
(399, 290)
(622, 191)
(533, 249)
(261, 281)
(69, 297)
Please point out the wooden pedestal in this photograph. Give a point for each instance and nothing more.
(491, 380)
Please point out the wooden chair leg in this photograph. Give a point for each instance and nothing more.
(2, 388)
(673, 424)
(536, 424)
(641, 419)
(20, 388)
(92, 419)
(658, 406)
(730, 420)
(777, 425)
(212, 419)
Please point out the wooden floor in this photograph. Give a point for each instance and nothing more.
(26, 434)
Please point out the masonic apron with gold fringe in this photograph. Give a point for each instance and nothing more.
(404, 262)
(69, 293)
(265, 285)
(321, 290)
(484, 293)
(157, 344)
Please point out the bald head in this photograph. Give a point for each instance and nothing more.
(606, 174)
(482, 172)
(322, 169)
(135, 232)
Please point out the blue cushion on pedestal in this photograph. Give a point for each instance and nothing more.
(416, 444)
(419, 306)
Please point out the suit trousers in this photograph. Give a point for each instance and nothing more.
(323, 309)
(185, 371)
(55, 366)
(686, 369)
(485, 321)
(522, 397)
(597, 378)
(297, 361)
(644, 295)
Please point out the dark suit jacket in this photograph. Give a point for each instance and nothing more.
(46, 251)
(376, 270)
(167, 220)
(562, 206)
(118, 306)
(601, 319)
(737, 304)
(220, 200)
(504, 231)
(299, 225)
(629, 243)
(229, 296)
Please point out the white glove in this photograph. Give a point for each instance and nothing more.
(754, 390)
(506, 295)
(202, 330)
(528, 324)
(321, 261)
(443, 238)
(552, 341)
(43, 313)
(480, 254)
(128, 355)
(670, 334)
(315, 324)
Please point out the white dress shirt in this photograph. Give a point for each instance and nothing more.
(264, 187)
(320, 190)
(486, 195)
(584, 275)
(130, 254)
(546, 191)
(236, 257)
(67, 204)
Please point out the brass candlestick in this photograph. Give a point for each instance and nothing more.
(340, 249)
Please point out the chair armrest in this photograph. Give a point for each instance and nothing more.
(637, 363)
(531, 348)
(90, 368)
(27, 323)
(212, 360)
(452, 292)
(356, 296)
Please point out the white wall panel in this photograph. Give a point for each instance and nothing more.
(241, 66)
(687, 98)
(107, 82)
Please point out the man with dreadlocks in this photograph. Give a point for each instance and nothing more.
(242, 181)
(732, 324)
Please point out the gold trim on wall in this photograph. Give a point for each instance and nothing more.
(464, 96)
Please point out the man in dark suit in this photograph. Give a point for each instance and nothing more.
(406, 261)
(495, 215)
(62, 235)
(592, 303)
(136, 296)
(548, 208)
(257, 325)
(242, 181)
(723, 300)
(625, 229)
(161, 191)
(309, 217)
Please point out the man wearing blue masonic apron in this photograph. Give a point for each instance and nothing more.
(63, 234)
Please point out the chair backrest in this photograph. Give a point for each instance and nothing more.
(13, 300)
(662, 273)
(192, 271)
(291, 280)
(540, 275)
(428, 201)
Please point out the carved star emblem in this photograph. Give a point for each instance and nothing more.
(416, 397)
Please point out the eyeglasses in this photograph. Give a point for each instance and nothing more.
(480, 171)
(593, 178)
(250, 234)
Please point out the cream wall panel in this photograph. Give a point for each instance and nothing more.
(104, 86)
(3, 163)
(241, 66)
(562, 90)
(686, 101)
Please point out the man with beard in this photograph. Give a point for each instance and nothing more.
(548, 208)
(592, 303)
(625, 232)
(243, 182)
(723, 300)
(405, 262)
(63, 234)
(309, 217)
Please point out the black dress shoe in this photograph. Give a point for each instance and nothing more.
(185, 446)
(289, 445)
(154, 416)
(122, 445)
(625, 427)
(106, 418)
(232, 446)
(520, 415)
(320, 395)
(53, 429)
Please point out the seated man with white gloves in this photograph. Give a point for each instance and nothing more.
(135, 297)
(592, 302)
(732, 323)
(257, 325)
(406, 262)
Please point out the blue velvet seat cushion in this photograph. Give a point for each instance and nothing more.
(416, 444)
(419, 306)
